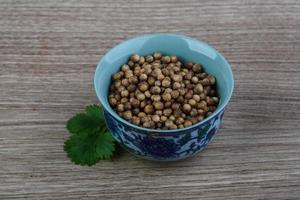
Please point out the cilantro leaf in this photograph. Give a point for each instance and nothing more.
(90, 121)
(81, 123)
(90, 140)
(88, 149)
(105, 146)
(95, 112)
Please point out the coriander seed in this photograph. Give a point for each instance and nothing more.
(167, 112)
(158, 105)
(143, 86)
(187, 123)
(142, 60)
(135, 58)
(155, 118)
(157, 55)
(143, 77)
(173, 59)
(125, 68)
(166, 59)
(187, 108)
(136, 120)
(176, 85)
(167, 97)
(196, 68)
(147, 94)
(149, 59)
(192, 102)
(149, 109)
(166, 82)
(155, 90)
(127, 115)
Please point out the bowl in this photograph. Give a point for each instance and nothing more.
(164, 145)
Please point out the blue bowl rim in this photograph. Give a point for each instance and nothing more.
(164, 132)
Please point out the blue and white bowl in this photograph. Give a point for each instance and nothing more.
(164, 145)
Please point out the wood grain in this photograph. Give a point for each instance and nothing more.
(48, 53)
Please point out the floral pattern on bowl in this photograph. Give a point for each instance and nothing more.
(163, 147)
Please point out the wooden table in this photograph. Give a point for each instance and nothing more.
(48, 53)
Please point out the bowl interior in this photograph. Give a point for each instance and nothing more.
(185, 48)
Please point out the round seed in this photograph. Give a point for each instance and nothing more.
(149, 59)
(143, 77)
(120, 108)
(127, 115)
(155, 90)
(135, 58)
(149, 109)
(158, 105)
(177, 78)
(155, 118)
(167, 97)
(187, 108)
(157, 55)
(187, 123)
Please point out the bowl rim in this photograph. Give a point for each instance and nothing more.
(159, 131)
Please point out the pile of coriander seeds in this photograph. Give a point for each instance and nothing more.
(160, 92)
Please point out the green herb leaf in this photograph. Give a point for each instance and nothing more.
(90, 140)
(105, 146)
(95, 112)
(88, 149)
(90, 121)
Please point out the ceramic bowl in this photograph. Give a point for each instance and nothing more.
(164, 145)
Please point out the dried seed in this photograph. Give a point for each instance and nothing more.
(142, 114)
(136, 111)
(124, 93)
(175, 94)
(120, 107)
(176, 85)
(158, 105)
(147, 94)
(135, 58)
(155, 118)
(166, 59)
(142, 60)
(166, 82)
(155, 90)
(167, 112)
(196, 97)
(113, 102)
(157, 55)
(197, 68)
(187, 123)
(177, 78)
(149, 59)
(149, 109)
(131, 88)
(143, 77)
(193, 112)
(136, 120)
(125, 82)
(143, 86)
(127, 115)
(195, 79)
(192, 102)
(167, 97)
(174, 59)
(134, 102)
(127, 106)
(198, 89)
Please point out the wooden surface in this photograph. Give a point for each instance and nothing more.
(48, 53)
